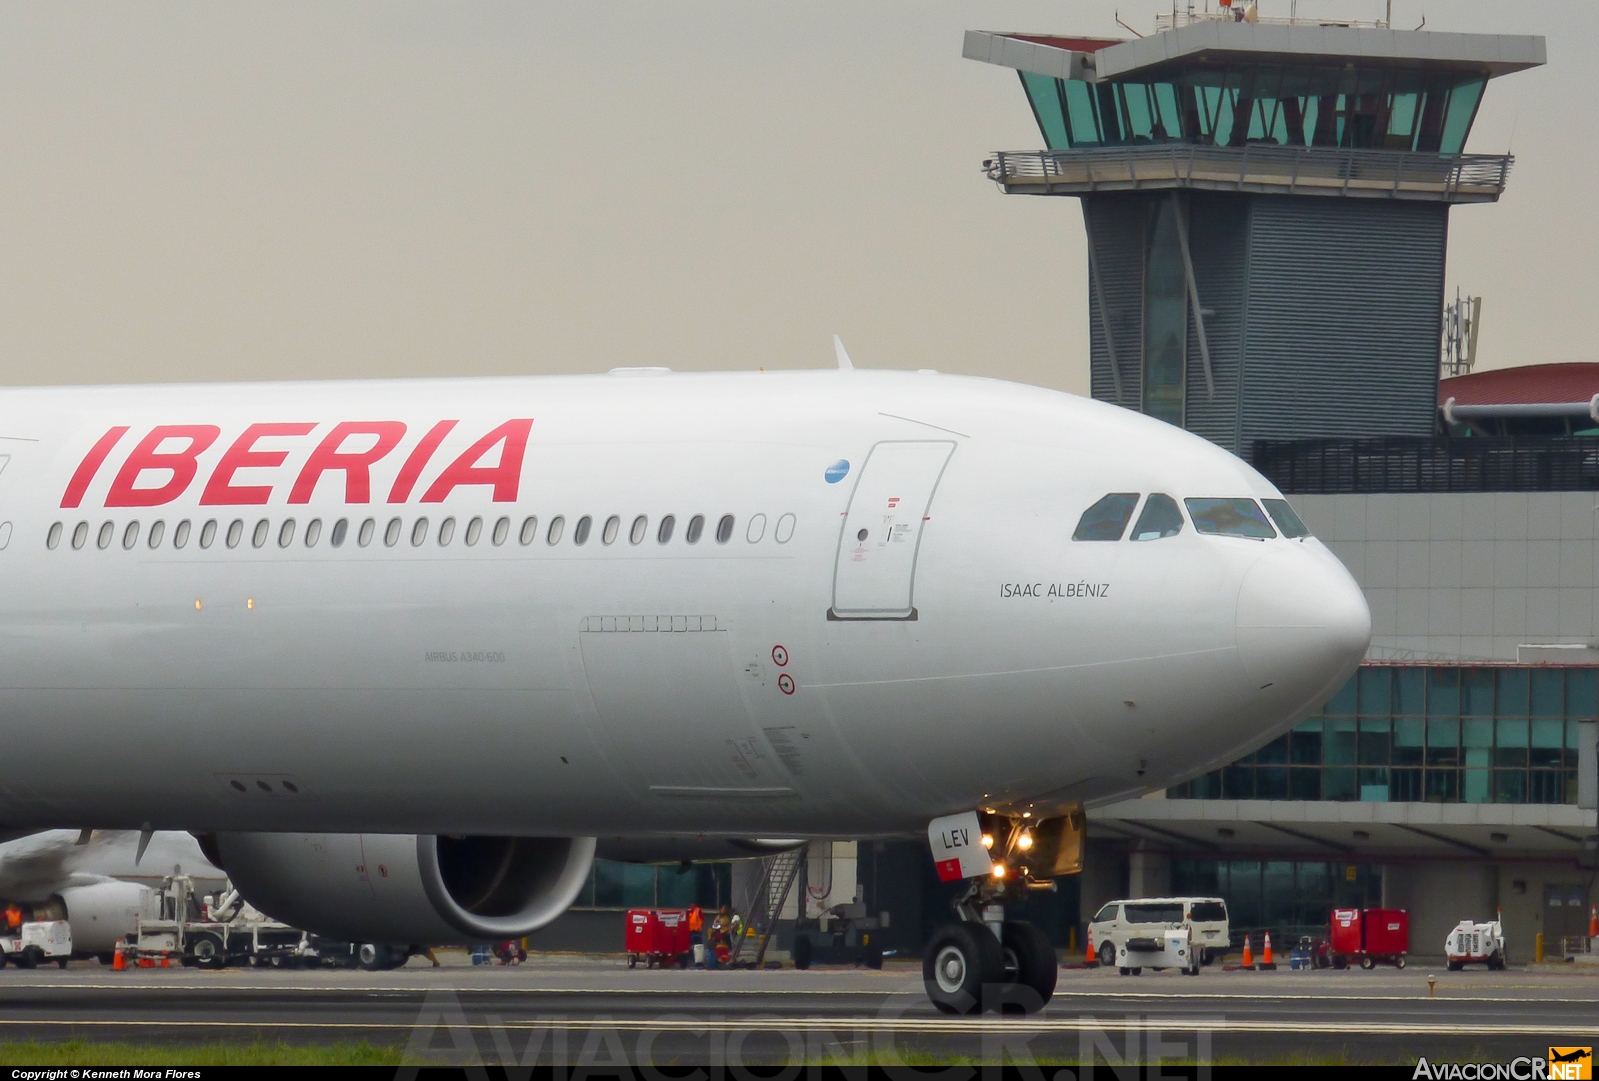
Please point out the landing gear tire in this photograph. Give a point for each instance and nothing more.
(1107, 955)
(1031, 968)
(371, 957)
(206, 950)
(962, 959)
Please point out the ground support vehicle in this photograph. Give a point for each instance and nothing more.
(1471, 943)
(1368, 937)
(212, 932)
(1171, 949)
(841, 935)
(658, 937)
(37, 942)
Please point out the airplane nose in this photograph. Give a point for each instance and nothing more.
(1303, 624)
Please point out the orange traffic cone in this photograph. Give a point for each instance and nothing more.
(1089, 955)
(146, 962)
(1249, 956)
(1265, 954)
(1593, 921)
(166, 961)
(119, 962)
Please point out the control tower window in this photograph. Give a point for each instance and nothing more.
(1288, 523)
(1161, 518)
(1165, 316)
(1107, 519)
(1230, 518)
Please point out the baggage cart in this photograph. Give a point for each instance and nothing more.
(1368, 937)
(658, 937)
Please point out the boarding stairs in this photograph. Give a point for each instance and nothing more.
(778, 874)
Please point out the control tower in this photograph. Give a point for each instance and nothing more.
(1267, 210)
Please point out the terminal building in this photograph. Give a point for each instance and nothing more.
(1267, 207)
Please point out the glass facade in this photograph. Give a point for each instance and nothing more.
(1287, 898)
(1379, 108)
(649, 885)
(1421, 733)
(1165, 316)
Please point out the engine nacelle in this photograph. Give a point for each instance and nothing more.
(101, 913)
(406, 888)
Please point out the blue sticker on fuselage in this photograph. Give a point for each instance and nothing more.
(837, 471)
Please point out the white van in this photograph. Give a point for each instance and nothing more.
(1149, 917)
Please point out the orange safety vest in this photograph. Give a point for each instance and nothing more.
(696, 919)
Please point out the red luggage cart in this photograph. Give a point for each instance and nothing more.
(659, 937)
(1369, 936)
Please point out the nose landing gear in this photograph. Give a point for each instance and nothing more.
(986, 963)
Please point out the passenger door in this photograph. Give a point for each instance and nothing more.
(875, 570)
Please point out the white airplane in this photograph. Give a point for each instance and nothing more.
(404, 655)
(98, 883)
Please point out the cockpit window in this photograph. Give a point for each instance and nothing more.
(1230, 517)
(1107, 519)
(1161, 518)
(1288, 523)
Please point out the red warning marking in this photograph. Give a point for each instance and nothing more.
(948, 870)
(779, 656)
(893, 501)
(785, 683)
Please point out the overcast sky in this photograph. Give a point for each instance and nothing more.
(259, 190)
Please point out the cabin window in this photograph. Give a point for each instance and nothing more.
(641, 529)
(1162, 517)
(724, 529)
(341, 529)
(107, 531)
(580, 532)
(391, 535)
(259, 536)
(235, 533)
(1107, 519)
(80, 535)
(756, 530)
(419, 532)
(369, 527)
(286, 533)
(613, 525)
(52, 539)
(502, 530)
(180, 535)
(785, 529)
(530, 530)
(158, 531)
(557, 527)
(474, 531)
(208, 533)
(1230, 517)
(446, 532)
(664, 532)
(696, 526)
(130, 535)
(1288, 523)
(313, 532)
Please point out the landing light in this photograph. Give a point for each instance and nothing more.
(1025, 841)
(988, 840)
(999, 870)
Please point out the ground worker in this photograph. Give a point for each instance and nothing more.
(13, 917)
(696, 934)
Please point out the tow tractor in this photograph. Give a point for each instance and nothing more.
(1475, 944)
(985, 961)
(35, 942)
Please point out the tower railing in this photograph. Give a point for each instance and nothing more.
(1288, 170)
(1523, 463)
